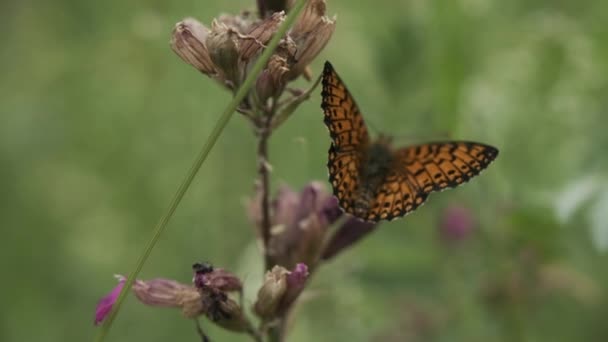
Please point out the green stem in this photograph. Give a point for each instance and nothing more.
(202, 156)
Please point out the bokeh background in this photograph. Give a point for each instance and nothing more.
(99, 122)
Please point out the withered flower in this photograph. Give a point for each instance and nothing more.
(311, 33)
(189, 42)
(212, 285)
(228, 50)
(222, 310)
(169, 293)
(207, 275)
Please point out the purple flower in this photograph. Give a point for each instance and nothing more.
(296, 281)
(298, 224)
(457, 223)
(351, 231)
(104, 306)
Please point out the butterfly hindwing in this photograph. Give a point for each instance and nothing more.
(442, 165)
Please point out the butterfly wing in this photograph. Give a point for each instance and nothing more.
(421, 169)
(349, 136)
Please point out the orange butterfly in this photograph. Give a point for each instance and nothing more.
(374, 181)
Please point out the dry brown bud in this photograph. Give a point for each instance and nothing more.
(271, 81)
(188, 42)
(311, 33)
(259, 35)
(223, 45)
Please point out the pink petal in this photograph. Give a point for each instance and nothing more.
(104, 306)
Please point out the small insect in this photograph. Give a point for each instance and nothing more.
(375, 181)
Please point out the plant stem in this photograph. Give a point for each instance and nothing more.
(202, 156)
(276, 332)
(264, 179)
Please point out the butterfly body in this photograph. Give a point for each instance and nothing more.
(377, 162)
(375, 181)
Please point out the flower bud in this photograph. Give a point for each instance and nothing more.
(223, 45)
(104, 306)
(271, 293)
(296, 281)
(271, 81)
(188, 42)
(311, 32)
(279, 291)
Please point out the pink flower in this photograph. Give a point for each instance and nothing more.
(457, 224)
(104, 306)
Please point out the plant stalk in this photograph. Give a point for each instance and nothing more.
(200, 159)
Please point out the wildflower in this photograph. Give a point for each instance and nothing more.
(298, 224)
(457, 224)
(104, 306)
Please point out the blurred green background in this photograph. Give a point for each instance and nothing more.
(100, 121)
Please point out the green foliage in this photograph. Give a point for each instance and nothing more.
(100, 121)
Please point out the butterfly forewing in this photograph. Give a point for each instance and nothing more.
(349, 137)
(406, 179)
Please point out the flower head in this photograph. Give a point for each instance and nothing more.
(226, 52)
(298, 224)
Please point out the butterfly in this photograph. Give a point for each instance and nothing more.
(375, 181)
